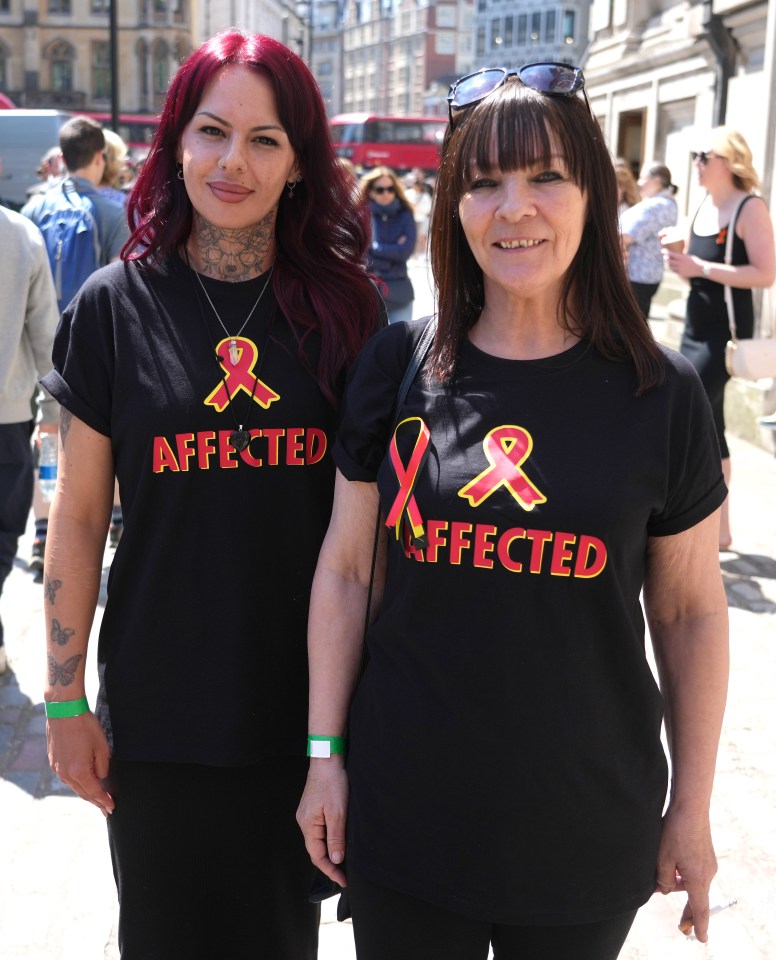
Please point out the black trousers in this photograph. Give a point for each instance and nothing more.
(16, 483)
(389, 925)
(644, 292)
(210, 863)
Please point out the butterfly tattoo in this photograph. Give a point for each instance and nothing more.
(60, 634)
(63, 673)
(50, 588)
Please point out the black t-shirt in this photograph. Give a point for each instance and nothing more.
(505, 756)
(202, 652)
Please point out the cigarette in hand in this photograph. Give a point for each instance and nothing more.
(686, 926)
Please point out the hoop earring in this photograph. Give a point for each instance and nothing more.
(292, 186)
(180, 171)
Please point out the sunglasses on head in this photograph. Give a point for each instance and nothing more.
(383, 189)
(548, 77)
(703, 156)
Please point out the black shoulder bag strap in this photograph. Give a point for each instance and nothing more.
(417, 359)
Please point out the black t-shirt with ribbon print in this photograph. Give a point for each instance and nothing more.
(202, 652)
(505, 758)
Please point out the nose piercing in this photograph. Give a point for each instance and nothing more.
(221, 165)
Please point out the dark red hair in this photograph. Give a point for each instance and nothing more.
(322, 234)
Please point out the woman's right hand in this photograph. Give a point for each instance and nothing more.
(79, 755)
(322, 816)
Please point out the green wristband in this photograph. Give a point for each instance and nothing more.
(57, 709)
(326, 746)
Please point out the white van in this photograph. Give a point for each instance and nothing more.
(25, 135)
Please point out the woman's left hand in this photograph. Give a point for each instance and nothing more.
(687, 862)
(682, 264)
(322, 816)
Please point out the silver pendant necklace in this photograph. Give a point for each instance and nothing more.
(233, 354)
(240, 437)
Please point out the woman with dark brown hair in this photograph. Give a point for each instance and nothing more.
(393, 239)
(505, 782)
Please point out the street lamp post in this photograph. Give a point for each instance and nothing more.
(114, 65)
(304, 11)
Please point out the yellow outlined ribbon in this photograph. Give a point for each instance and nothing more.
(405, 503)
(506, 449)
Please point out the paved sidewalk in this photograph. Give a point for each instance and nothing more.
(57, 899)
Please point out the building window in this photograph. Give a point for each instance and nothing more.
(549, 26)
(569, 25)
(445, 44)
(5, 6)
(495, 33)
(161, 9)
(59, 6)
(61, 56)
(522, 29)
(142, 72)
(445, 15)
(509, 31)
(480, 41)
(160, 69)
(100, 6)
(536, 27)
(101, 70)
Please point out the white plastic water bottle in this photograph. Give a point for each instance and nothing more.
(47, 465)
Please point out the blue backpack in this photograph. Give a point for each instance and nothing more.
(67, 221)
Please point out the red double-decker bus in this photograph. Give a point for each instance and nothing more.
(370, 140)
(135, 129)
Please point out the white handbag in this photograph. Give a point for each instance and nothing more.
(753, 359)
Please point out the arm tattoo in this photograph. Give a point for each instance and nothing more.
(60, 634)
(50, 588)
(63, 673)
(235, 254)
(65, 422)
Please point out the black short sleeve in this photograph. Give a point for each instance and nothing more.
(370, 398)
(694, 486)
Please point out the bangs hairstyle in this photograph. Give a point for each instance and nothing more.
(512, 129)
(322, 233)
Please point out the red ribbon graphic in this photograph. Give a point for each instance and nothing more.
(405, 503)
(506, 449)
(240, 377)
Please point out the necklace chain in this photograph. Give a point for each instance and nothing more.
(240, 436)
(253, 308)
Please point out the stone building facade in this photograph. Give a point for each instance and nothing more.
(56, 53)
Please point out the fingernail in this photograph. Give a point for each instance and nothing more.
(336, 857)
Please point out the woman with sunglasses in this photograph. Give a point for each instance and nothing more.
(726, 173)
(505, 782)
(393, 239)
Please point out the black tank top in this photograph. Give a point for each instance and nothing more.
(706, 317)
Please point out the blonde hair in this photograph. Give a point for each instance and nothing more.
(733, 148)
(116, 153)
(377, 174)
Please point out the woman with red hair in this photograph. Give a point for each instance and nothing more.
(205, 371)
